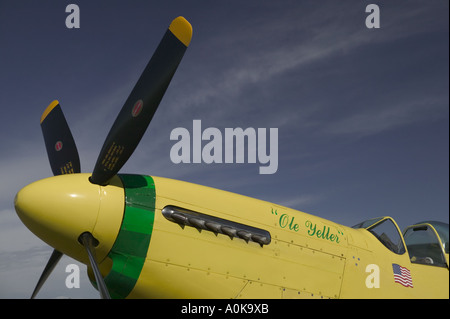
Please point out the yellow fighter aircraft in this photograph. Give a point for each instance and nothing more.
(152, 237)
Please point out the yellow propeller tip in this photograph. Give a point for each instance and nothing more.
(49, 109)
(182, 29)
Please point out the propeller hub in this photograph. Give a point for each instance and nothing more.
(60, 208)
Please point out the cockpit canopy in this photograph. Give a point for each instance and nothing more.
(442, 229)
(427, 242)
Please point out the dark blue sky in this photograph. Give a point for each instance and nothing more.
(362, 114)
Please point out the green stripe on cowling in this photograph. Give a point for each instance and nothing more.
(130, 249)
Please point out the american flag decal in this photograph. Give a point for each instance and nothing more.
(402, 275)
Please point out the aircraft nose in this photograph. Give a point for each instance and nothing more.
(58, 209)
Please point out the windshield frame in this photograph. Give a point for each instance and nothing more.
(371, 224)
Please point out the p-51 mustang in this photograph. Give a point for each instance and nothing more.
(151, 237)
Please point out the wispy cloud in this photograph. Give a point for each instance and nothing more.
(301, 201)
(381, 118)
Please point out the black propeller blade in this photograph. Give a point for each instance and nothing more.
(141, 105)
(61, 149)
(54, 258)
(64, 159)
(89, 242)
